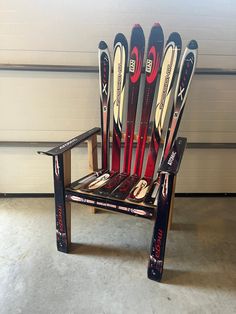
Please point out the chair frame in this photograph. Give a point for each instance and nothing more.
(64, 193)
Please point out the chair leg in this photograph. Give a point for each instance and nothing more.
(157, 253)
(172, 204)
(93, 158)
(62, 177)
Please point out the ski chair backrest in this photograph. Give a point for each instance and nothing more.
(156, 62)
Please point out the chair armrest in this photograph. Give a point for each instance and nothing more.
(71, 143)
(172, 163)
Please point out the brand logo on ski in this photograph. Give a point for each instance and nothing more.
(68, 143)
(104, 88)
(60, 219)
(148, 68)
(158, 243)
(135, 65)
(181, 92)
(119, 85)
(166, 84)
(172, 158)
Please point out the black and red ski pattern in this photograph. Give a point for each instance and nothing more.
(167, 78)
(186, 72)
(137, 45)
(165, 179)
(152, 65)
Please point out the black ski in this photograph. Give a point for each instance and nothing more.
(135, 67)
(186, 71)
(166, 176)
(119, 78)
(104, 88)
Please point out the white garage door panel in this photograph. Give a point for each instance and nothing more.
(68, 32)
(208, 171)
(202, 170)
(57, 106)
(24, 171)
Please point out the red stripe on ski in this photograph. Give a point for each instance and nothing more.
(135, 67)
(154, 55)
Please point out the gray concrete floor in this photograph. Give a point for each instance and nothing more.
(106, 271)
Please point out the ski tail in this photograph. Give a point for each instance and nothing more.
(122, 191)
(104, 90)
(186, 71)
(112, 183)
(169, 67)
(137, 44)
(153, 61)
(168, 70)
(119, 78)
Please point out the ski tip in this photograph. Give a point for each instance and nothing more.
(193, 44)
(157, 31)
(102, 45)
(176, 38)
(156, 24)
(137, 26)
(120, 37)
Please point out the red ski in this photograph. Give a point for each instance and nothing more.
(154, 55)
(169, 66)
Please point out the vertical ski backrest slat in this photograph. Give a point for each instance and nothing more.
(168, 70)
(119, 78)
(153, 61)
(135, 68)
(186, 71)
(104, 90)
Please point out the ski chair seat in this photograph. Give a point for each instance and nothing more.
(156, 200)
(65, 192)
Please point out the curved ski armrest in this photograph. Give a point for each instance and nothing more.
(173, 160)
(71, 143)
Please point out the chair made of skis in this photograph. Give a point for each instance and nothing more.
(120, 191)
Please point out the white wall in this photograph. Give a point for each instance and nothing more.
(43, 106)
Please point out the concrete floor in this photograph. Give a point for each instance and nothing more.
(106, 272)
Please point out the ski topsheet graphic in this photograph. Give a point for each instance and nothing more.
(186, 71)
(170, 153)
(152, 65)
(104, 89)
(104, 65)
(135, 68)
(169, 64)
(119, 78)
